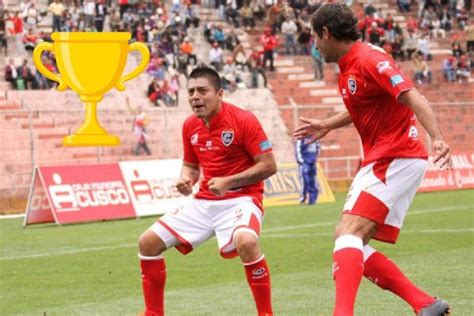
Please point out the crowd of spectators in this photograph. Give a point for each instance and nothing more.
(287, 31)
(149, 22)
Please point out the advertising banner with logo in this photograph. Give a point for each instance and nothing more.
(460, 177)
(152, 185)
(79, 194)
(284, 187)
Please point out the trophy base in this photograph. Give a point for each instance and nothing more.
(79, 140)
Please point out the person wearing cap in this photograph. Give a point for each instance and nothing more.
(449, 69)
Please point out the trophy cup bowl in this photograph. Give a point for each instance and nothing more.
(91, 64)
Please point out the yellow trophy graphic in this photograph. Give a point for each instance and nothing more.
(91, 64)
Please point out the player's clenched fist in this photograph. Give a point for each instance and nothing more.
(184, 186)
(218, 186)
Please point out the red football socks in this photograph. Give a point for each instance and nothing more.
(153, 281)
(382, 271)
(348, 267)
(258, 277)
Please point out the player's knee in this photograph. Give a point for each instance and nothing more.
(356, 226)
(150, 245)
(245, 242)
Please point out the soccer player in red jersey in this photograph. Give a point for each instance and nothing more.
(383, 105)
(235, 155)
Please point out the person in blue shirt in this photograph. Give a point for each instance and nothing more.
(306, 156)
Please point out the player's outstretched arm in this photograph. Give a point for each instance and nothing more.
(317, 129)
(418, 103)
(265, 167)
(189, 176)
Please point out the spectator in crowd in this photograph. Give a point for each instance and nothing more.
(41, 81)
(89, 12)
(216, 56)
(289, 30)
(374, 34)
(3, 34)
(456, 46)
(232, 16)
(256, 67)
(140, 121)
(424, 46)
(410, 44)
(269, 42)
(248, 20)
(446, 21)
(239, 57)
(231, 40)
(437, 29)
(25, 80)
(57, 9)
(389, 28)
(187, 49)
(10, 73)
(273, 17)
(230, 76)
(470, 39)
(114, 20)
(16, 30)
(449, 69)
(153, 92)
(100, 13)
(30, 40)
(218, 35)
(31, 16)
(318, 61)
(463, 71)
(304, 40)
(422, 70)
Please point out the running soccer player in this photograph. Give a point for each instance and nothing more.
(383, 105)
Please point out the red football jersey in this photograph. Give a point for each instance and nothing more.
(230, 144)
(370, 83)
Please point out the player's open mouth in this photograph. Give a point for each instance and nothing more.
(198, 106)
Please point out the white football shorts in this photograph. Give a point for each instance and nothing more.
(383, 191)
(198, 220)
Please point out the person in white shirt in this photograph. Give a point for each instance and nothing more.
(289, 30)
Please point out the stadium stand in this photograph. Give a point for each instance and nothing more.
(35, 121)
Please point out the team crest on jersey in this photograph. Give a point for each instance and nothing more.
(227, 137)
(194, 139)
(352, 84)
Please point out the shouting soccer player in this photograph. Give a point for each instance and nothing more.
(230, 146)
(383, 105)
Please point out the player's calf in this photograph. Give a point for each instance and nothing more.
(153, 270)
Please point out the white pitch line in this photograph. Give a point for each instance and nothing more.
(424, 231)
(67, 252)
(276, 229)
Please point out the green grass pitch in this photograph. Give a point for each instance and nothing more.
(92, 269)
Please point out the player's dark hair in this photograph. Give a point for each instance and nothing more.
(207, 72)
(338, 19)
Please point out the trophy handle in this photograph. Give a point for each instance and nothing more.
(42, 69)
(145, 59)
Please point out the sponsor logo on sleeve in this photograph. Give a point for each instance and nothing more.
(265, 145)
(383, 66)
(395, 80)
